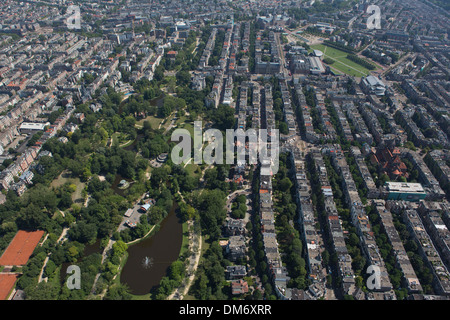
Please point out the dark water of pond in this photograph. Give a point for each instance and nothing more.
(115, 185)
(88, 250)
(148, 261)
(158, 101)
(92, 248)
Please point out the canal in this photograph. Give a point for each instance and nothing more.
(148, 260)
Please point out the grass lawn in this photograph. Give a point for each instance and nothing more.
(336, 71)
(154, 122)
(57, 214)
(341, 63)
(126, 144)
(185, 243)
(329, 51)
(344, 68)
(121, 139)
(115, 139)
(187, 126)
(65, 177)
(181, 120)
(191, 169)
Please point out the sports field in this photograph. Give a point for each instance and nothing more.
(341, 63)
(7, 281)
(20, 248)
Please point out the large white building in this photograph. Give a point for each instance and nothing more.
(373, 85)
(316, 66)
(33, 126)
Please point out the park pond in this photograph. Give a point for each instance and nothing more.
(120, 184)
(148, 260)
(88, 250)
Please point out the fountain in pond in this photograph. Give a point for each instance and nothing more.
(147, 262)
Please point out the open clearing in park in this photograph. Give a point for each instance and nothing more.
(66, 177)
(341, 63)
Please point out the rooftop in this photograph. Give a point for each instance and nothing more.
(404, 187)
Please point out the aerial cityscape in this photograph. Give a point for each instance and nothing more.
(232, 150)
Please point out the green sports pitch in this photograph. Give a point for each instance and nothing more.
(340, 62)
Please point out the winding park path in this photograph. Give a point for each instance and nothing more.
(180, 292)
(60, 240)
